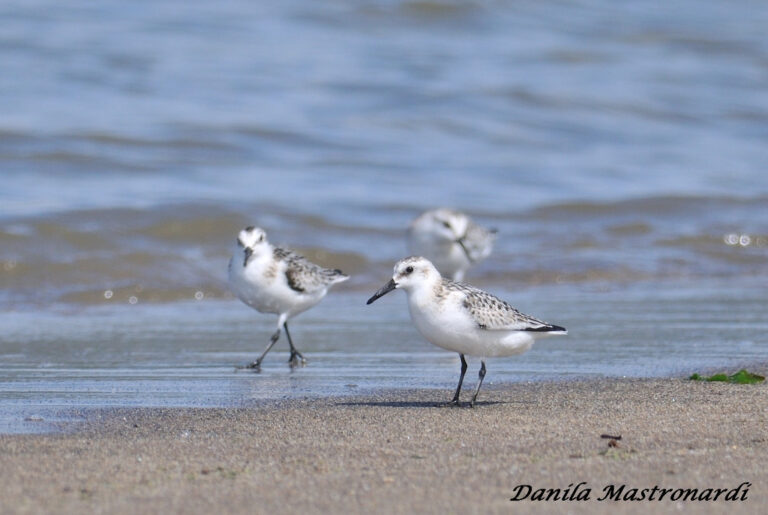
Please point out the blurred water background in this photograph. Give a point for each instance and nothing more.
(619, 148)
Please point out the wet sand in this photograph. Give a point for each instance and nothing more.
(396, 452)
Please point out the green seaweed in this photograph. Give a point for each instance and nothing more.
(740, 377)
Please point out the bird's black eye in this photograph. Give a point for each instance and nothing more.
(409, 270)
(447, 225)
(261, 238)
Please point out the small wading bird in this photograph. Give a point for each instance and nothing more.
(274, 280)
(461, 318)
(451, 240)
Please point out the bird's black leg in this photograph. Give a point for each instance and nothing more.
(297, 358)
(455, 401)
(481, 375)
(272, 341)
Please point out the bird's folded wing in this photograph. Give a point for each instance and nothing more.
(493, 314)
(306, 277)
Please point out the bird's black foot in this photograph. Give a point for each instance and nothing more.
(453, 403)
(255, 366)
(297, 359)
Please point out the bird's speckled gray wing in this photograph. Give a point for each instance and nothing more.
(303, 275)
(493, 314)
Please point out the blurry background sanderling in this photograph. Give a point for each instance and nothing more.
(450, 240)
(617, 147)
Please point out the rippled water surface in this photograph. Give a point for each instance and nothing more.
(619, 148)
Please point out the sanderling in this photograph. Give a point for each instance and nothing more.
(451, 240)
(461, 318)
(274, 280)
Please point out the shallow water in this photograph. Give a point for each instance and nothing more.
(185, 353)
(618, 148)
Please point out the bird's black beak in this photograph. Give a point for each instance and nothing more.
(248, 252)
(391, 285)
(460, 241)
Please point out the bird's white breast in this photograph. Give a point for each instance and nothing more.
(263, 286)
(446, 323)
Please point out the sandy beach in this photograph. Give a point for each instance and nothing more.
(397, 452)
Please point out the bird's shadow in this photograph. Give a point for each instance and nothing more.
(416, 404)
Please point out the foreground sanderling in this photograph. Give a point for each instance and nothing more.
(275, 280)
(450, 239)
(461, 318)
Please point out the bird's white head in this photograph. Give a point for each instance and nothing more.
(414, 271)
(446, 224)
(252, 241)
(251, 237)
(409, 274)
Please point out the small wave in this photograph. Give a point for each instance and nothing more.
(433, 9)
(420, 10)
(653, 206)
(16, 136)
(173, 250)
(630, 229)
(132, 295)
(114, 139)
(82, 161)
